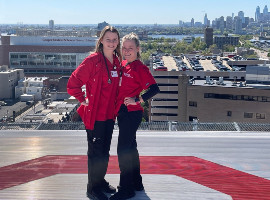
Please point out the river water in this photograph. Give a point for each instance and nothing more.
(177, 37)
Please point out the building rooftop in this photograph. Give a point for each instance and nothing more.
(231, 84)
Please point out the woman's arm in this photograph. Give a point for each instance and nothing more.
(78, 78)
(151, 91)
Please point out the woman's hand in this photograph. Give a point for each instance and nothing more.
(130, 101)
(85, 103)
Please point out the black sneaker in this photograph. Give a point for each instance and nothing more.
(138, 187)
(123, 195)
(96, 195)
(106, 187)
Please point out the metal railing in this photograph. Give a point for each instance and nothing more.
(149, 126)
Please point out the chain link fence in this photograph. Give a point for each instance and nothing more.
(148, 126)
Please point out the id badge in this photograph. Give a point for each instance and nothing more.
(114, 74)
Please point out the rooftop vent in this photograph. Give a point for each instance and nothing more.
(220, 81)
(209, 81)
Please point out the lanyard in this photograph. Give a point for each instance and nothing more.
(109, 80)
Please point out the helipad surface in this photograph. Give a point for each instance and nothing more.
(46, 165)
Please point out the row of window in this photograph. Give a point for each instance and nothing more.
(48, 71)
(249, 115)
(168, 107)
(237, 97)
(38, 63)
(229, 113)
(43, 56)
(168, 92)
(164, 114)
(158, 99)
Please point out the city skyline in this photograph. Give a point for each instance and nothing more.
(119, 12)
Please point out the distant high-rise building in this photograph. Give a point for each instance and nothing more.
(261, 28)
(229, 23)
(222, 24)
(257, 14)
(198, 24)
(214, 23)
(51, 24)
(246, 22)
(205, 20)
(208, 36)
(265, 14)
(265, 10)
(241, 15)
(192, 22)
(238, 25)
(102, 25)
(181, 23)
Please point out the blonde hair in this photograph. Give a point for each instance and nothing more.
(99, 45)
(135, 38)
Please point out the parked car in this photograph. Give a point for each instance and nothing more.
(198, 67)
(161, 69)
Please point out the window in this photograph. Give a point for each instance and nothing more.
(14, 56)
(191, 118)
(229, 113)
(260, 116)
(23, 63)
(23, 56)
(248, 115)
(255, 98)
(208, 95)
(193, 103)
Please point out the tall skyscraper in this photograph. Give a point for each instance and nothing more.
(51, 24)
(241, 15)
(205, 20)
(265, 10)
(257, 14)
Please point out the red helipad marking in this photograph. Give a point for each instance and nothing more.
(237, 184)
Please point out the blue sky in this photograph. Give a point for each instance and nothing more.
(122, 11)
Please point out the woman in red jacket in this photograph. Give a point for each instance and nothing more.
(99, 72)
(135, 77)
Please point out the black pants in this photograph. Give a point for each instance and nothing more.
(99, 142)
(128, 156)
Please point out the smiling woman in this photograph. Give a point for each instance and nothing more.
(135, 77)
(99, 72)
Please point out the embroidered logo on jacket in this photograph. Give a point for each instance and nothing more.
(127, 75)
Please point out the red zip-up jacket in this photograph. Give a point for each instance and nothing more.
(89, 73)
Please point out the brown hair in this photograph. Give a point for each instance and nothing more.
(135, 38)
(99, 45)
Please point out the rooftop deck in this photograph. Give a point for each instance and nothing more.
(52, 165)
